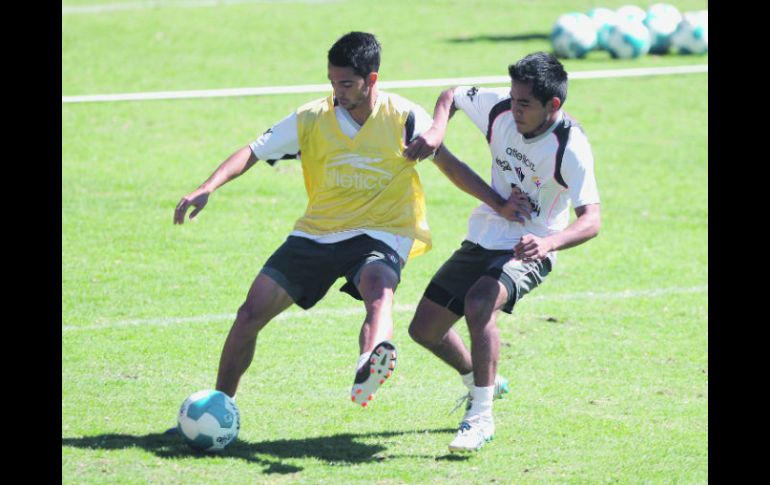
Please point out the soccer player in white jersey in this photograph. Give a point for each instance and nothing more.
(539, 151)
(365, 214)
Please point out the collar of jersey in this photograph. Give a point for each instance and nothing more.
(352, 141)
(547, 132)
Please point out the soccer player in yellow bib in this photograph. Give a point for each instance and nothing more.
(365, 214)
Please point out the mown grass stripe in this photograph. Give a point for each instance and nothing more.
(341, 312)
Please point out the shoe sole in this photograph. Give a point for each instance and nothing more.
(382, 362)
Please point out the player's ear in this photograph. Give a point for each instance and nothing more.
(555, 104)
(372, 78)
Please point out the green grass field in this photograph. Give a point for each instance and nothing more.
(608, 360)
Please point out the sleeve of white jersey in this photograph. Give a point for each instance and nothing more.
(279, 142)
(478, 102)
(422, 120)
(577, 170)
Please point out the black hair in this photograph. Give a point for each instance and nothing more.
(545, 72)
(357, 50)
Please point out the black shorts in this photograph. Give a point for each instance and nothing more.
(307, 269)
(463, 269)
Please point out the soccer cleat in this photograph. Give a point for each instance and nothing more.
(473, 433)
(373, 373)
(501, 388)
(171, 431)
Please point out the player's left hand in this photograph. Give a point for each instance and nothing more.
(423, 146)
(517, 208)
(532, 248)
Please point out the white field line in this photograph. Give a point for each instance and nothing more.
(151, 5)
(342, 312)
(418, 83)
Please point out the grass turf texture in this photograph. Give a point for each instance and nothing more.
(607, 386)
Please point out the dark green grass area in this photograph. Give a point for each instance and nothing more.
(285, 43)
(608, 360)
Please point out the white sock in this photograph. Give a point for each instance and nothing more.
(468, 380)
(482, 400)
(362, 360)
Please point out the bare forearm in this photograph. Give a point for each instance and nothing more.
(427, 143)
(235, 165)
(585, 227)
(443, 111)
(466, 179)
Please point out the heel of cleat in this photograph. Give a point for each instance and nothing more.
(374, 373)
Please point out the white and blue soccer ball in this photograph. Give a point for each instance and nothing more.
(603, 19)
(692, 33)
(631, 12)
(209, 420)
(573, 35)
(628, 39)
(662, 20)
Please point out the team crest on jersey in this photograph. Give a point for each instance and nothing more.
(537, 181)
(520, 174)
(472, 92)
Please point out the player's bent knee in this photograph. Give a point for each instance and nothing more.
(420, 333)
(423, 328)
(249, 318)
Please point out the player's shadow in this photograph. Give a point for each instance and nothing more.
(499, 38)
(339, 449)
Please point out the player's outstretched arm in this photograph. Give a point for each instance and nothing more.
(235, 165)
(427, 143)
(585, 227)
(515, 209)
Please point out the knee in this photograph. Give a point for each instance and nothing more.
(425, 334)
(421, 334)
(249, 318)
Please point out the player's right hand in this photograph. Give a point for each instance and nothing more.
(424, 145)
(197, 199)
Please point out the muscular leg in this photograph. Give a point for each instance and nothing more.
(265, 300)
(482, 304)
(431, 327)
(376, 286)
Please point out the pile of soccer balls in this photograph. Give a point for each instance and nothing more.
(630, 32)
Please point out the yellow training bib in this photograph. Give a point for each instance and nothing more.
(363, 182)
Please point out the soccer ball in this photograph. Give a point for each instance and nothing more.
(628, 39)
(631, 12)
(692, 34)
(573, 35)
(209, 420)
(603, 19)
(662, 20)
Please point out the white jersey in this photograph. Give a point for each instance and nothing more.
(281, 142)
(552, 169)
